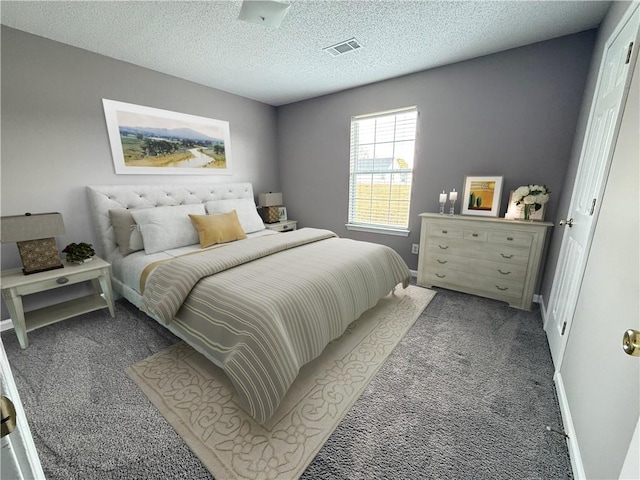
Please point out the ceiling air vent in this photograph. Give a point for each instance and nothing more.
(343, 47)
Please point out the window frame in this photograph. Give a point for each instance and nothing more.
(373, 227)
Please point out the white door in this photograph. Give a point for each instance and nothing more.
(600, 383)
(595, 159)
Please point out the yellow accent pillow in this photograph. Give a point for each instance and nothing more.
(214, 229)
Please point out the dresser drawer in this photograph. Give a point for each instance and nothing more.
(499, 270)
(508, 238)
(475, 235)
(494, 252)
(474, 283)
(437, 231)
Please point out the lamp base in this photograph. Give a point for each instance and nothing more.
(39, 255)
(270, 214)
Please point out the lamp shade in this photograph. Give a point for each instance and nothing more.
(269, 199)
(19, 228)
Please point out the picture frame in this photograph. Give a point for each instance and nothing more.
(39, 255)
(151, 141)
(482, 195)
(516, 212)
(282, 214)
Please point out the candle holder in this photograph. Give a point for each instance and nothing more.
(451, 208)
(442, 208)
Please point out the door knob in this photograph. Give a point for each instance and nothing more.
(568, 223)
(631, 342)
(8, 414)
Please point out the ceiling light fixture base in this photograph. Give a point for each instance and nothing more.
(263, 12)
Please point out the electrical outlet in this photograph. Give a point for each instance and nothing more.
(414, 248)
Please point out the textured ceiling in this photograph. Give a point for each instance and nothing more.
(205, 42)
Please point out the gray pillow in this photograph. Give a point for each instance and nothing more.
(128, 237)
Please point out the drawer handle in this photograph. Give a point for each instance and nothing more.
(506, 256)
(440, 276)
(503, 273)
(502, 288)
(510, 239)
(445, 231)
(444, 248)
(474, 234)
(442, 262)
(62, 280)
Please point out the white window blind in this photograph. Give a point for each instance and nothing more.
(381, 169)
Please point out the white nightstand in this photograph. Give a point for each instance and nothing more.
(15, 285)
(284, 226)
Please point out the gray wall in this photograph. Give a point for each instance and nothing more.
(564, 193)
(54, 136)
(513, 114)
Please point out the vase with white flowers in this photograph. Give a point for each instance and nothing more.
(532, 197)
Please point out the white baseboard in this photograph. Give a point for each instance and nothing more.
(567, 420)
(543, 309)
(6, 325)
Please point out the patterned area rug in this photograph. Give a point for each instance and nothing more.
(199, 402)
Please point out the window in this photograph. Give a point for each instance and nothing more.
(381, 170)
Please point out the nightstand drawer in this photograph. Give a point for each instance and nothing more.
(284, 226)
(61, 281)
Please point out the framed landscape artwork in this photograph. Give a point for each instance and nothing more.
(150, 141)
(482, 196)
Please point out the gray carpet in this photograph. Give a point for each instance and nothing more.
(467, 394)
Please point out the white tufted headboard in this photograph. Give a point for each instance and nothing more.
(110, 197)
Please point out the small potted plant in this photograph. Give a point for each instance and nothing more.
(79, 252)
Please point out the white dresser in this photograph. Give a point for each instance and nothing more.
(491, 257)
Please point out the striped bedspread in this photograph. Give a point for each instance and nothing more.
(261, 308)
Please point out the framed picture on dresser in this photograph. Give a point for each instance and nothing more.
(482, 195)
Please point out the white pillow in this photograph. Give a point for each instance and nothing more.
(248, 216)
(163, 228)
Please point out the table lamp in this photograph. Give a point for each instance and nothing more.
(34, 234)
(269, 203)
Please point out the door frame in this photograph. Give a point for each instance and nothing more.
(632, 9)
(18, 448)
(631, 465)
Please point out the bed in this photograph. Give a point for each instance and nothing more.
(260, 305)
